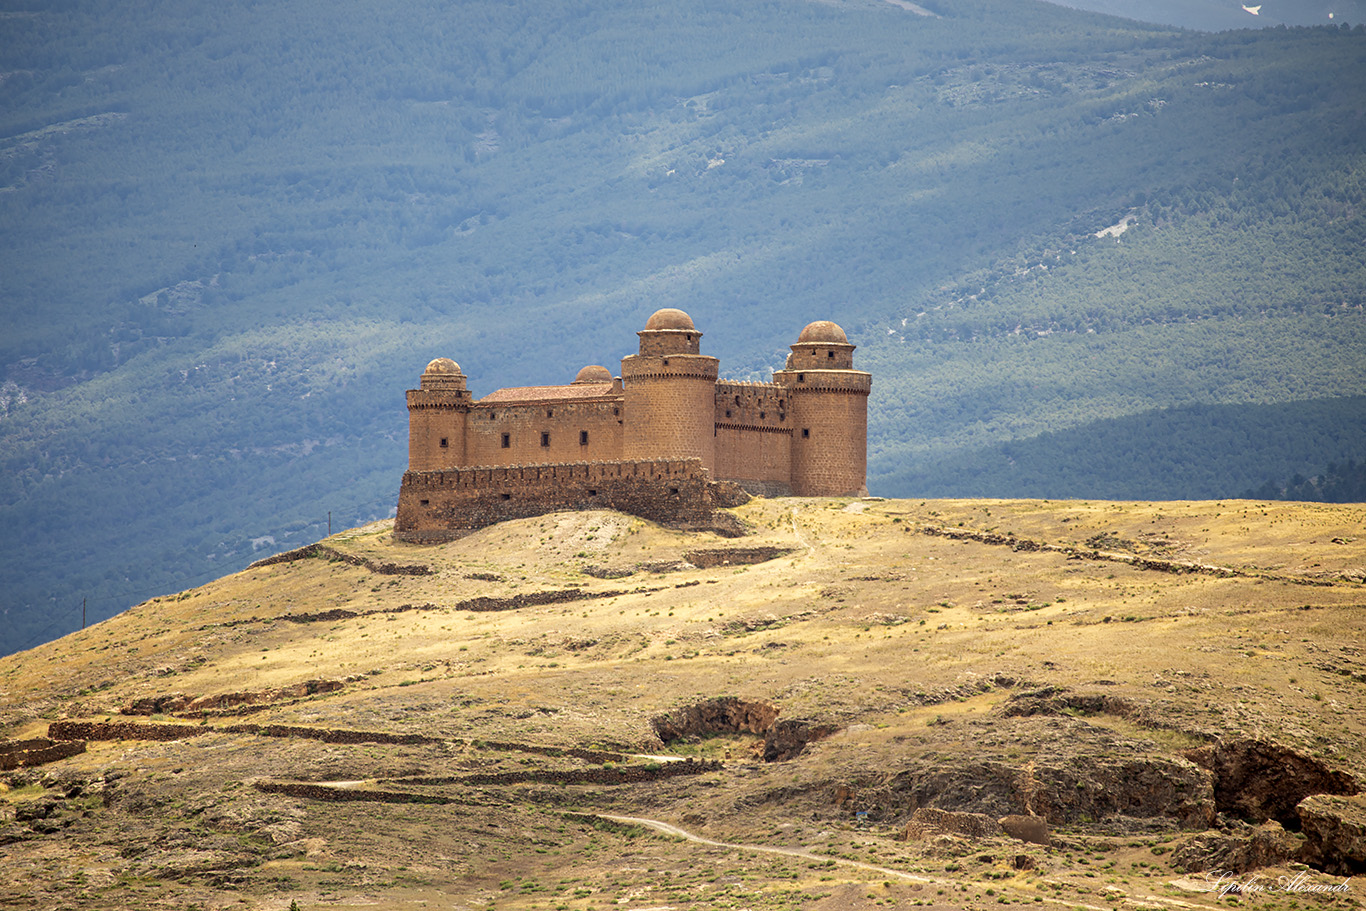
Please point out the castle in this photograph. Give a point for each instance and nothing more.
(665, 440)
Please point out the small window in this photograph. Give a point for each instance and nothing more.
(445, 443)
(507, 441)
(806, 433)
(829, 354)
(737, 400)
(550, 412)
(616, 411)
(762, 415)
(507, 496)
(424, 502)
(801, 377)
(727, 412)
(583, 437)
(673, 491)
(666, 362)
(492, 415)
(545, 439)
(592, 493)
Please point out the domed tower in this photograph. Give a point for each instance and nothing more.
(436, 418)
(828, 407)
(670, 393)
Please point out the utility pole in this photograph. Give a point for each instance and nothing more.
(82, 613)
(329, 523)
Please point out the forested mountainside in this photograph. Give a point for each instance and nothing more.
(1218, 15)
(233, 235)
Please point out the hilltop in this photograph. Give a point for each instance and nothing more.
(499, 721)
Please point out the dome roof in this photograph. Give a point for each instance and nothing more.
(593, 374)
(669, 318)
(823, 332)
(443, 365)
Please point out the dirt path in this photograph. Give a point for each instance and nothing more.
(669, 829)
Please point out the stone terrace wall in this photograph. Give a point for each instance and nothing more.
(435, 506)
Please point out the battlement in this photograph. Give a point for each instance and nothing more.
(436, 506)
(665, 440)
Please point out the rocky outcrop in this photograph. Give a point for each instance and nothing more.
(787, 739)
(223, 703)
(1140, 792)
(1033, 829)
(1267, 845)
(734, 556)
(324, 552)
(1334, 829)
(1257, 780)
(1092, 788)
(926, 822)
(722, 715)
(783, 740)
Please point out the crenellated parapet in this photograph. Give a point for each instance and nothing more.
(666, 439)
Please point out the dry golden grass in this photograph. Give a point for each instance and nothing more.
(869, 624)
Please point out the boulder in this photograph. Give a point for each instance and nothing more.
(1257, 780)
(1033, 829)
(927, 821)
(1334, 829)
(1267, 845)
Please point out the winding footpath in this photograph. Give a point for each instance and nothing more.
(670, 829)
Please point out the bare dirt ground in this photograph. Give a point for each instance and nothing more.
(1161, 683)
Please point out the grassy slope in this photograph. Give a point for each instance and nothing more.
(869, 624)
(235, 236)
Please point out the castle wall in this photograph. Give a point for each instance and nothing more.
(560, 426)
(665, 440)
(753, 436)
(829, 417)
(436, 429)
(436, 506)
(669, 405)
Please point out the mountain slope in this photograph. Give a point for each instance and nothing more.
(233, 238)
(379, 725)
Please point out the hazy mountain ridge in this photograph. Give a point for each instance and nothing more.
(236, 236)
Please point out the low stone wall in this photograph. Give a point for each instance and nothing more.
(437, 506)
(123, 730)
(311, 551)
(627, 775)
(347, 795)
(21, 754)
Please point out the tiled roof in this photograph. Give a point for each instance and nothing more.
(518, 394)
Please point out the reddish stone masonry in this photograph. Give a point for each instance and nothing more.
(667, 440)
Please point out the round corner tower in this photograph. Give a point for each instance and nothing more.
(436, 418)
(829, 410)
(670, 393)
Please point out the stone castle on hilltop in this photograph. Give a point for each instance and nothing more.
(665, 440)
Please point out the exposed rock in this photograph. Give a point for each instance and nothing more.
(1033, 829)
(1267, 845)
(1257, 780)
(1143, 791)
(731, 715)
(1091, 788)
(723, 715)
(927, 821)
(1335, 833)
(787, 739)
(734, 556)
